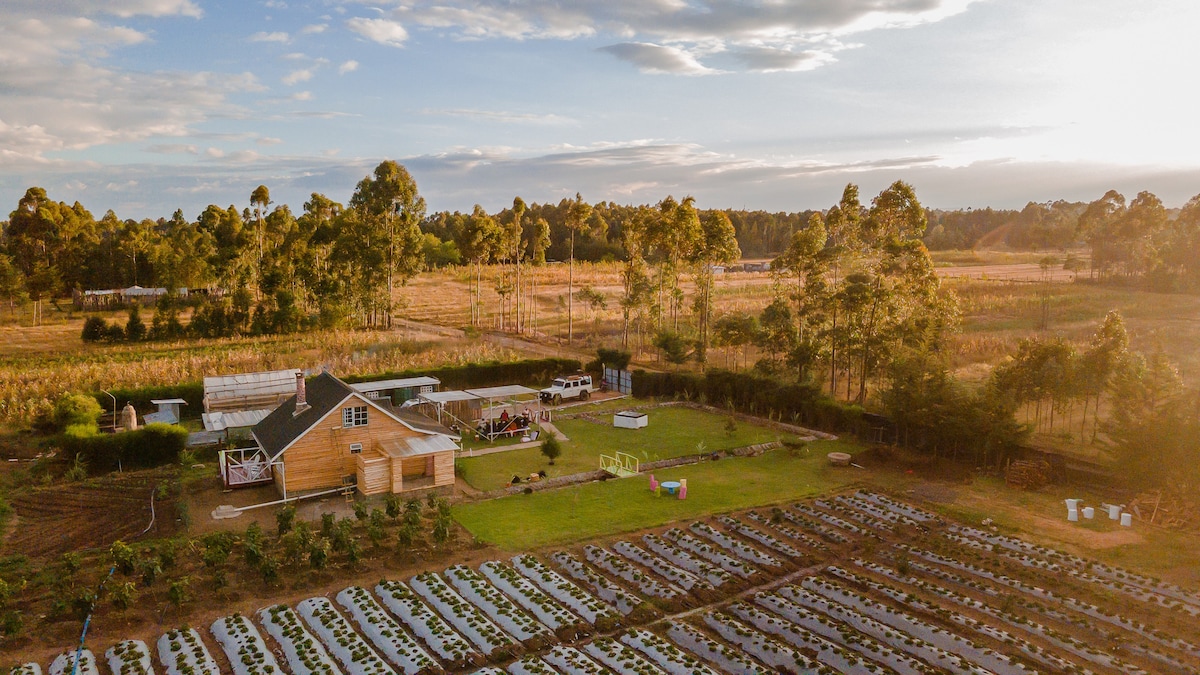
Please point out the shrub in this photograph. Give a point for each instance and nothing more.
(152, 445)
(285, 518)
(135, 328)
(75, 410)
(94, 329)
(551, 448)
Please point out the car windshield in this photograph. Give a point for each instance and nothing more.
(560, 383)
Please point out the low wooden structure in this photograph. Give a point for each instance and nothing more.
(328, 435)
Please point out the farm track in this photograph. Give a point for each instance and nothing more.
(837, 582)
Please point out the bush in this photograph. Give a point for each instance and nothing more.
(551, 448)
(152, 445)
(135, 328)
(94, 329)
(76, 410)
(609, 358)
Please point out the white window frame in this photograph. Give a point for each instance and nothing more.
(356, 448)
(354, 416)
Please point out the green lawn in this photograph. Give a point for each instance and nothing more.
(522, 522)
(673, 432)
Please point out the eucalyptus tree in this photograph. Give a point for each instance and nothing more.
(479, 241)
(804, 263)
(50, 242)
(260, 199)
(578, 212)
(390, 205)
(539, 242)
(635, 277)
(716, 245)
(673, 239)
(516, 239)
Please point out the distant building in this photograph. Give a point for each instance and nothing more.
(116, 298)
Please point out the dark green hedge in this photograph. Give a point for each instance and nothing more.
(152, 445)
(802, 404)
(490, 374)
(140, 397)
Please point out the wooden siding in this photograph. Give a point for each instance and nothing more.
(321, 458)
(374, 474)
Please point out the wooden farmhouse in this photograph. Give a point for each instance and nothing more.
(328, 435)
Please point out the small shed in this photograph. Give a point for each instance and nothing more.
(630, 419)
(168, 410)
(398, 390)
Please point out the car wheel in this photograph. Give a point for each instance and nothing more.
(557, 399)
(583, 395)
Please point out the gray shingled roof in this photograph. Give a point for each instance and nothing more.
(324, 393)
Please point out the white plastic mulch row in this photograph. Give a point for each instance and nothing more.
(917, 514)
(465, 617)
(779, 657)
(606, 590)
(564, 591)
(725, 658)
(129, 657)
(182, 653)
(480, 592)
(779, 524)
(340, 639)
(620, 567)
(667, 570)
(527, 595)
(666, 655)
(304, 652)
(620, 658)
(731, 544)
(65, 662)
(708, 552)
(384, 633)
(710, 573)
(571, 661)
(25, 669)
(531, 665)
(244, 646)
(768, 540)
(425, 623)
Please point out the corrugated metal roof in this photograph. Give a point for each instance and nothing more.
(506, 391)
(413, 447)
(403, 383)
(220, 421)
(251, 384)
(447, 396)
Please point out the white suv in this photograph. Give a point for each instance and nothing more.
(574, 386)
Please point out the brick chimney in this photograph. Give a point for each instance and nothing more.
(301, 398)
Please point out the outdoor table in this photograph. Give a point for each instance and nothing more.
(671, 486)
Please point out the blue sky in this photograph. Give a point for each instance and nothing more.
(145, 106)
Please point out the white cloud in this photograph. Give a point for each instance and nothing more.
(502, 116)
(277, 36)
(275, 4)
(651, 58)
(383, 31)
(313, 29)
(269, 140)
(348, 67)
(215, 153)
(297, 76)
(302, 96)
(172, 149)
(677, 36)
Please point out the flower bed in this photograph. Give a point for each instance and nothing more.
(531, 665)
(303, 652)
(906, 623)
(645, 584)
(834, 642)
(739, 549)
(576, 599)
(244, 646)
(512, 620)
(426, 624)
(465, 617)
(708, 552)
(339, 637)
(384, 633)
(880, 631)
(895, 506)
(664, 654)
(821, 530)
(25, 669)
(727, 659)
(767, 540)
(529, 596)
(701, 568)
(606, 590)
(571, 661)
(787, 531)
(182, 653)
(620, 658)
(129, 657)
(666, 570)
(65, 662)
(778, 656)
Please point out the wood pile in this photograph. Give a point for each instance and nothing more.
(1027, 474)
(1168, 508)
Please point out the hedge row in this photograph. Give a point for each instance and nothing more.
(452, 377)
(152, 445)
(802, 404)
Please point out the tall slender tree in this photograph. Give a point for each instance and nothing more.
(578, 212)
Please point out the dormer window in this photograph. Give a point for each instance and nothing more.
(354, 416)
